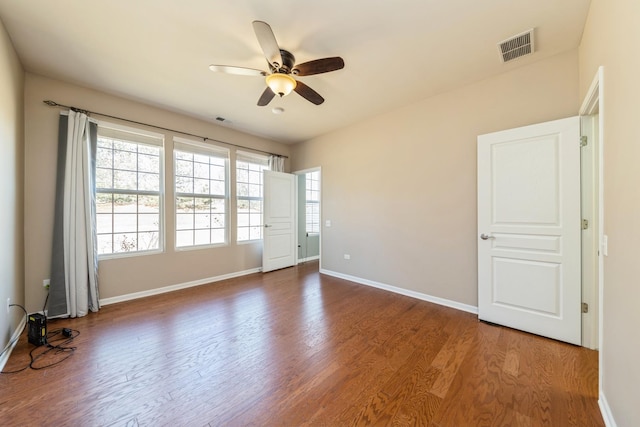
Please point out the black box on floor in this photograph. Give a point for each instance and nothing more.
(37, 329)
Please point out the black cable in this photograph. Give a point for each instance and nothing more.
(45, 303)
(53, 344)
(59, 348)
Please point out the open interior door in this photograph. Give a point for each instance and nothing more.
(529, 226)
(279, 237)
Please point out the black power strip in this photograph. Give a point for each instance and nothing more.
(37, 329)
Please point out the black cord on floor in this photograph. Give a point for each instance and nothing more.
(57, 342)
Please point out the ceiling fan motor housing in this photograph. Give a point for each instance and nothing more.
(288, 61)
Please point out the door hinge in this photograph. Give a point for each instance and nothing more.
(585, 307)
(583, 141)
(585, 224)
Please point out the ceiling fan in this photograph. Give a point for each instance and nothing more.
(282, 67)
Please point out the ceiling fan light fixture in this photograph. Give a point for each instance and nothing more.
(281, 84)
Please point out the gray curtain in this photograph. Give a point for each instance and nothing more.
(73, 289)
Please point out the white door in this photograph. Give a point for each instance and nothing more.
(279, 237)
(529, 225)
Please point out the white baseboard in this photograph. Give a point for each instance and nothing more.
(12, 343)
(436, 300)
(605, 410)
(171, 288)
(311, 258)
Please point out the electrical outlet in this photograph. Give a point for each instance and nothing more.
(46, 283)
(8, 305)
(347, 256)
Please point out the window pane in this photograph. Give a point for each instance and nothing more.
(184, 238)
(201, 170)
(243, 234)
(148, 241)
(125, 160)
(202, 237)
(148, 204)
(125, 203)
(148, 222)
(148, 182)
(243, 220)
(184, 221)
(184, 185)
(124, 222)
(148, 163)
(104, 203)
(125, 242)
(104, 158)
(105, 243)
(201, 186)
(103, 223)
(184, 204)
(124, 180)
(104, 178)
(184, 168)
(203, 220)
(217, 236)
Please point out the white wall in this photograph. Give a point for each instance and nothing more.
(400, 188)
(11, 186)
(122, 276)
(612, 39)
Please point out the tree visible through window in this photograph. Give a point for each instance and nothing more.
(128, 192)
(312, 192)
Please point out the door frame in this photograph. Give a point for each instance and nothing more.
(304, 172)
(592, 104)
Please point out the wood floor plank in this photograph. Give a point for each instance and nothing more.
(295, 347)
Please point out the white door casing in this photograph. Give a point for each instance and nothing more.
(279, 221)
(529, 225)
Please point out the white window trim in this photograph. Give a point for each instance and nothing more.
(197, 147)
(113, 130)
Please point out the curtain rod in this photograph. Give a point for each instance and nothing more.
(204, 138)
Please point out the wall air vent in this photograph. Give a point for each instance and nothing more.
(516, 46)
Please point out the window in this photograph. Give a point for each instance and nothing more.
(249, 169)
(201, 194)
(128, 191)
(312, 190)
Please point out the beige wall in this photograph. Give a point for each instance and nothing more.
(400, 188)
(612, 39)
(11, 186)
(124, 275)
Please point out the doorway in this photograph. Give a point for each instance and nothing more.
(309, 214)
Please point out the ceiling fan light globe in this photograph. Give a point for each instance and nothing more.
(281, 84)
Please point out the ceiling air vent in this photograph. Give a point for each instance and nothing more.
(516, 46)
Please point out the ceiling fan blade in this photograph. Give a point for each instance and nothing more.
(268, 43)
(309, 94)
(241, 71)
(266, 97)
(319, 66)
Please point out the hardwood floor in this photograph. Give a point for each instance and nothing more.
(293, 347)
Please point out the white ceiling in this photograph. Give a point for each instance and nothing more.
(396, 52)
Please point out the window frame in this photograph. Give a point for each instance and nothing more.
(310, 176)
(263, 162)
(145, 138)
(199, 148)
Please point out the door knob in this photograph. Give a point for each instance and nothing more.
(486, 236)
